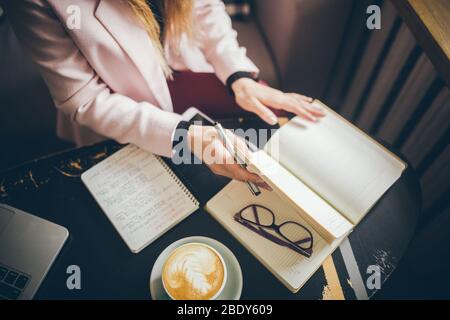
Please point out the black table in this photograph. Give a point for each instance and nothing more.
(52, 189)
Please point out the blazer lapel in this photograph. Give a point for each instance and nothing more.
(118, 18)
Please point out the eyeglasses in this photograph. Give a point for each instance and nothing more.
(293, 235)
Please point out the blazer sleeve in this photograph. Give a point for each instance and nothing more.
(218, 40)
(78, 91)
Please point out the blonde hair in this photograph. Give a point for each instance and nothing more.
(178, 20)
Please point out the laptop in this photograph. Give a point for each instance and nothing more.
(28, 247)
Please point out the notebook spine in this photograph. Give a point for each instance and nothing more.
(178, 181)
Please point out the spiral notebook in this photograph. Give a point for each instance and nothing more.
(140, 195)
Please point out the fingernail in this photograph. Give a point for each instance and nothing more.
(273, 120)
(260, 181)
(264, 186)
(316, 107)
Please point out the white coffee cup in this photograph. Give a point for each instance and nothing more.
(194, 271)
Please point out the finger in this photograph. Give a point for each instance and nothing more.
(287, 102)
(309, 111)
(311, 108)
(239, 152)
(241, 146)
(316, 111)
(277, 99)
(222, 170)
(304, 98)
(244, 175)
(241, 174)
(236, 151)
(302, 110)
(217, 154)
(238, 173)
(247, 176)
(264, 113)
(299, 109)
(264, 186)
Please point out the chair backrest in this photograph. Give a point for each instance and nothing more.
(379, 79)
(305, 38)
(26, 106)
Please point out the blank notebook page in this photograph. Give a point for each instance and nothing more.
(139, 194)
(337, 161)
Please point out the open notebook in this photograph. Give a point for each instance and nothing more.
(325, 176)
(140, 195)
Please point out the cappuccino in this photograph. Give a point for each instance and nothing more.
(194, 271)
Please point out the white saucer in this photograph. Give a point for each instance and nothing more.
(233, 288)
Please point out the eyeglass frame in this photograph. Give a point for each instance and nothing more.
(256, 227)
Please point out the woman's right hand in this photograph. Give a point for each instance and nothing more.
(205, 143)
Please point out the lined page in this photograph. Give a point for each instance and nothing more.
(139, 195)
(291, 268)
(337, 161)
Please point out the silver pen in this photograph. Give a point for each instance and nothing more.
(254, 189)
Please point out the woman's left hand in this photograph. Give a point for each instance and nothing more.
(257, 98)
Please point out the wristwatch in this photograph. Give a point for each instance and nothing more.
(236, 76)
(180, 137)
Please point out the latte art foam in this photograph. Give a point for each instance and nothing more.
(193, 272)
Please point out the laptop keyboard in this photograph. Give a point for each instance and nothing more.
(12, 283)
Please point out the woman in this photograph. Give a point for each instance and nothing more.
(106, 63)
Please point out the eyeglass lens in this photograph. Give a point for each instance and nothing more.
(292, 231)
(258, 215)
(296, 234)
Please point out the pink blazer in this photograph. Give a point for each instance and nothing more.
(104, 77)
